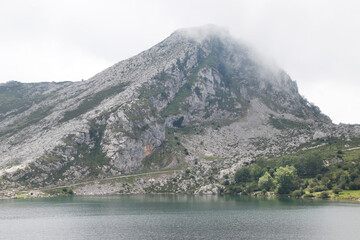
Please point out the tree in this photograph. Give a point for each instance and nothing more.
(285, 178)
(324, 194)
(178, 122)
(256, 171)
(344, 179)
(355, 185)
(243, 175)
(309, 164)
(266, 182)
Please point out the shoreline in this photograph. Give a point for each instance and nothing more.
(36, 194)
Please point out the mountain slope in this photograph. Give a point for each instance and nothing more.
(199, 99)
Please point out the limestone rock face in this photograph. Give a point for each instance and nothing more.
(199, 98)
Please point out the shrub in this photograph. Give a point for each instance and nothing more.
(320, 188)
(306, 183)
(256, 171)
(343, 179)
(353, 176)
(243, 175)
(251, 187)
(324, 194)
(327, 182)
(186, 152)
(355, 185)
(263, 192)
(236, 189)
(308, 195)
(178, 122)
(337, 190)
(266, 182)
(296, 193)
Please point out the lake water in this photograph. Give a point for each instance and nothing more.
(178, 217)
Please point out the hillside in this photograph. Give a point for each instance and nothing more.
(184, 113)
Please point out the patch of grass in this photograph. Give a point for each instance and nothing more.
(63, 191)
(85, 156)
(177, 103)
(48, 158)
(283, 123)
(33, 118)
(214, 159)
(224, 101)
(93, 101)
(347, 194)
(352, 155)
(19, 96)
(152, 90)
(136, 113)
(93, 157)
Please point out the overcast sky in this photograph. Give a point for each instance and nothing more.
(316, 42)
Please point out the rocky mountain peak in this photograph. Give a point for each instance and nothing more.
(199, 95)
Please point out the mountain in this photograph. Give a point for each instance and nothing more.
(177, 117)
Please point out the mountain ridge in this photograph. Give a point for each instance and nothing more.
(193, 98)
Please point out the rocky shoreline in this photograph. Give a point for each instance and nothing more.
(31, 194)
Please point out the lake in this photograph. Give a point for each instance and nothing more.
(178, 217)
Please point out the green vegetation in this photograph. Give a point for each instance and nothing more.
(92, 157)
(227, 93)
(287, 124)
(198, 92)
(266, 182)
(178, 102)
(29, 120)
(152, 90)
(18, 96)
(93, 101)
(331, 170)
(285, 179)
(243, 175)
(178, 122)
(63, 191)
(346, 194)
(136, 112)
(86, 156)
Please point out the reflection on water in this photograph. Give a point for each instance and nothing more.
(177, 217)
